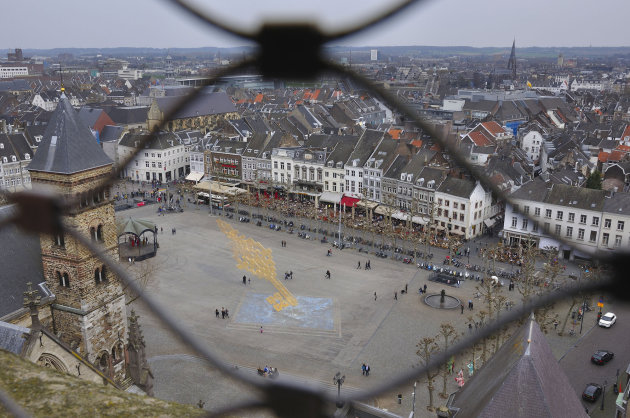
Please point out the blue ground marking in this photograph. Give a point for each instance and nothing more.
(316, 313)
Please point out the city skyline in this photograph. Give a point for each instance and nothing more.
(488, 23)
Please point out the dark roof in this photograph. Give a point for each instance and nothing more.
(12, 337)
(21, 263)
(111, 133)
(68, 145)
(89, 115)
(163, 140)
(619, 204)
(366, 144)
(535, 190)
(128, 115)
(522, 380)
(204, 104)
(576, 197)
(14, 85)
(457, 187)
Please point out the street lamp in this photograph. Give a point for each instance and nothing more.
(603, 395)
(338, 380)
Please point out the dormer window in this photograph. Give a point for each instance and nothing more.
(13, 158)
(1, 145)
(27, 156)
(5, 160)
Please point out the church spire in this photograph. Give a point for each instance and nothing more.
(512, 61)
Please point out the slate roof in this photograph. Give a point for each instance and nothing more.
(68, 145)
(576, 197)
(14, 85)
(535, 190)
(89, 115)
(128, 115)
(21, 263)
(160, 142)
(111, 133)
(12, 337)
(203, 104)
(457, 187)
(522, 380)
(365, 146)
(619, 204)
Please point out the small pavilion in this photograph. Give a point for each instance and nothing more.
(137, 239)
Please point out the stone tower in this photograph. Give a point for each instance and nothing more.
(89, 311)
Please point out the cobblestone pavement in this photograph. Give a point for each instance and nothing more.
(194, 274)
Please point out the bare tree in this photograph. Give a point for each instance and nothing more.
(449, 335)
(427, 347)
(143, 273)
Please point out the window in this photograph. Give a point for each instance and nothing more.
(281, 166)
(146, 154)
(288, 166)
(526, 210)
(524, 224)
(559, 215)
(275, 164)
(580, 234)
(595, 220)
(605, 238)
(558, 229)
(548, 213)
(536, 211)
(440, 202)
(334, 189)
(607, 223)
(446, 202)
(454, 205)
(546, 227)
(620, 226)
(593, 236)
(463, 206)
(461, 217)
(582, 219)
(569, 232)
(515, 208)
(617, 241)
(59, 240)
(64, 280)
(360, 174)
(535, 227)
(514, 221)
(446, 213)
(571, 217)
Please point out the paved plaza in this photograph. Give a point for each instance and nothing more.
(336, 324)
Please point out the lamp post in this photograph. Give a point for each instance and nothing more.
(413, 402)
(603, 395)
(338, 380)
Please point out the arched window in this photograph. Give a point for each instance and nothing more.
(85, 200)
(97, 276)
(99, 233)
(64, 281)
(103, 273)
(93, 234)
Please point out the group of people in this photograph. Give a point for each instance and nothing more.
(224, 313)
(288, 275)
(368, 265)
(365, 369)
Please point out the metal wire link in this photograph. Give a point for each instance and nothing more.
(40, 213)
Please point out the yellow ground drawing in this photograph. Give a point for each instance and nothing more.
(251, 256)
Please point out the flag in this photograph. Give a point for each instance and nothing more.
(529, 84)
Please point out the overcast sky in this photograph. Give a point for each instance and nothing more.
(156, 23)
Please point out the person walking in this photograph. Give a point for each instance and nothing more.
(395, 295)
(425, 288)
(222, 313)
(367, 369)
(406, 284)
(358, 265)
(327, 274)
(461, 306)
(216, 312)
(363, 369)
(261, 329)
(244, 280)
(374, 295)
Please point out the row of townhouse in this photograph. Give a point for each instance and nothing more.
(15, 156)
(587, 221)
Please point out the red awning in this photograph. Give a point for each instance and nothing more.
(348, 201)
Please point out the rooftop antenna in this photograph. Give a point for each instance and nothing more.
(63, 89)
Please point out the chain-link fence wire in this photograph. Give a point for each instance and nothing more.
(42, 213)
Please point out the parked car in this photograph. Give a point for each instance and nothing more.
(608, 320)
(602, 356)
(592, 392)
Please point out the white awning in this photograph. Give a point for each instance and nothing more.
(368, 204)
(194, 176)
(548, 242)
(418, 220)
(330, 197)
(401, 216)
(490, 222)
(382, 210)
(456, 232)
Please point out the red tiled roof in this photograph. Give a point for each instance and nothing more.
(315, 94)
(259, 98)
(616, 156)
(626, 133)
(493, 127)
(623, 148)
(395, 133)
(479, 139)
(417, 143)
(602, 157)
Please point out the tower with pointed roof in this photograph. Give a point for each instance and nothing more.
(89, 311)
(512, 61)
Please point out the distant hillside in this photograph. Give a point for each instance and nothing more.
(416, 50)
